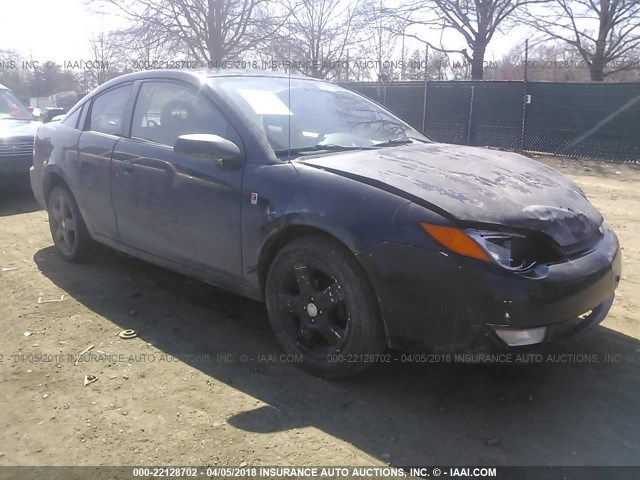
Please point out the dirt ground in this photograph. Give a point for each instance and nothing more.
(203, 383)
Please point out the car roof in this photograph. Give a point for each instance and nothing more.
(222, 72)
(219, 72)
(193, 76)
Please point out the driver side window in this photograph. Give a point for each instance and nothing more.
(164, 111)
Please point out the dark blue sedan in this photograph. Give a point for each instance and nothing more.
(357, 231)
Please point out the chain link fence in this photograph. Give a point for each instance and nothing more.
(589, 120)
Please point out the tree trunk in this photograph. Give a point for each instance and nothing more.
(596, 67)
(596, 70)
(214, 41)
(477, 61)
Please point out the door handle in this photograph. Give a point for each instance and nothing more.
(127, 165)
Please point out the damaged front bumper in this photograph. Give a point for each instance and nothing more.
(445, 302)
(520, 337)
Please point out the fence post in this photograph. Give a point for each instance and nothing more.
(424, 98)
(473, 88)
(524, 94)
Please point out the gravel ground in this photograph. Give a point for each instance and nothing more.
(204, 384)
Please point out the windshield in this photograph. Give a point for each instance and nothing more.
(313, 116)
(11, 108)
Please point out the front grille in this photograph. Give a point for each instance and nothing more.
(582, 247)
(16, 150)
(16, 147)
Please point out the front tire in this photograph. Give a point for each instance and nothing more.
(322, 308)
(68, 229)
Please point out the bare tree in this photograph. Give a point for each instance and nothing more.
(547, 62)
(107, 59)
(476, 21)
(47, 81)
(143, 45)
(11, 75)
(380, 41)
(435, 67)
(207, 30)
(606, 33)
(37, 80)
(317, 34)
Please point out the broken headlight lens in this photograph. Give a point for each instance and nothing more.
(512, 251)
(507, 249)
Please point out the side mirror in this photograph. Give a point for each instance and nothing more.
(224, 152)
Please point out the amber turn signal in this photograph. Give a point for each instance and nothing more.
(456, 241)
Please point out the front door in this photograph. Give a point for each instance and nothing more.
(183, 209)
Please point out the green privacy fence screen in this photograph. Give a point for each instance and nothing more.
(592, 120)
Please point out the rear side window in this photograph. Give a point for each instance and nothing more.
(165, 110)
(107, 111)
(71, 121)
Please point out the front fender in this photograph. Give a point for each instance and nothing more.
(282, 198)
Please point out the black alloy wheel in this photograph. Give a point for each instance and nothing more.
(68, 229)
(322, 308)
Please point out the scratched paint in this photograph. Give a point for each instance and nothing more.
(477, 185)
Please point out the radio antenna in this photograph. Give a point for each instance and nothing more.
(289, 93)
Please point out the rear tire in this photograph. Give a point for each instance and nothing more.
(322, 308)
(68, 230)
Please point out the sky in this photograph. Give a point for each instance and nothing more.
(61, 30)
(55, 30)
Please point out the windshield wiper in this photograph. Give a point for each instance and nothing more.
(322, 148)
(398, 141)
(344, 148)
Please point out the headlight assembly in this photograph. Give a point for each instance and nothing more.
(509, 250)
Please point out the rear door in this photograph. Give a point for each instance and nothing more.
(102, 129)
(187, 210)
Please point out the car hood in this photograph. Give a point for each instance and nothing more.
(17, 129)
(474, 185)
